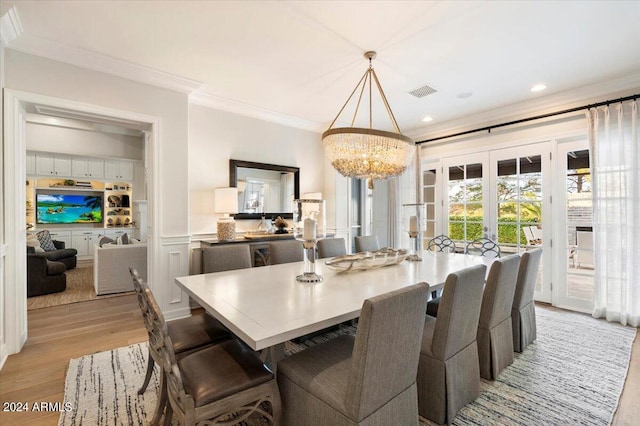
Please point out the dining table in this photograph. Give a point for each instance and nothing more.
(265, 306)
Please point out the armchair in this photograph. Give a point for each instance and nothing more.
(44, 276)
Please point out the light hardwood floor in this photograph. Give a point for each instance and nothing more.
(59, 333)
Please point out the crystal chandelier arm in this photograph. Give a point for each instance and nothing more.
(348, 99)
(386, 103)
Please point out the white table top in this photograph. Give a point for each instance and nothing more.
(265, 306)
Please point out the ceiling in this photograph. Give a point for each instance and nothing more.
(300, 60)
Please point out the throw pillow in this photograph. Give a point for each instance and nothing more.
(45, 240)
(104, 240)
(122, 239)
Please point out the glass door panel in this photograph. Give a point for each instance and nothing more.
(518, 176)
(575, 275)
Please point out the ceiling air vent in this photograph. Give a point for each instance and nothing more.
(423, 91)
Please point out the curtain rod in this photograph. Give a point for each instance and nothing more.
(537, 117)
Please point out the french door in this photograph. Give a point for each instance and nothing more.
(574, 271)
(503, 195)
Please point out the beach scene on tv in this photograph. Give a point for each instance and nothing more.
(65, 208)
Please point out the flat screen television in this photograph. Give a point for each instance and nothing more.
(68, 208)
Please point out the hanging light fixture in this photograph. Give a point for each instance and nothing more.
(368, 153)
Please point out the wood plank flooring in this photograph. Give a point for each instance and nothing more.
(59, 333)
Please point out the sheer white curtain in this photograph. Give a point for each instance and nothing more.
(615, 168)
(406, 192)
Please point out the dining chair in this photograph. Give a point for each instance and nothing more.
(483, 247)
(285, 252)
(495, 338)
(442, 243)
(367, 243)
(226, 258)
(331, 247)
(188, 334)
(523, 313)
(369, 379)
(224, 383)
(448, 370)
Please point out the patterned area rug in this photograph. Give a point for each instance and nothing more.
(79, 289)
(573, 374)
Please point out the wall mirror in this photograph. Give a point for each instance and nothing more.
(264, 189)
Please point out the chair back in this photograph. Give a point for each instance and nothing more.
(151, 313)
(457, 323)
(367, 243)
(331, 247)
(285, 252)
(483, 247)
(442, 243)
(226, 258)
(385, 355)
(527, 275)
(497, 297)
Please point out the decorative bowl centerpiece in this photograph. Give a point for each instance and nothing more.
(367, 260)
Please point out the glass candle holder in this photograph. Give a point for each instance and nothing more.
(309, 225)
(414, 222)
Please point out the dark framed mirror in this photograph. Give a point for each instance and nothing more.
(264, 189)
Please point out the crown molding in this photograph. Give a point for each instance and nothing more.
(547, 104)
(102, 63)
(10, 26)
(229, 105)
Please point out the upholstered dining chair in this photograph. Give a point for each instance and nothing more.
(367, 243)
(495, 339)
(216, 382)
(226, 258)
(369, 379)
(483, 247)
(523, 314)
(330, 247)
(285, 252)
(448, 371)
(442, 243)
(188, 334)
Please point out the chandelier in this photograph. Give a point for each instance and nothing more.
(368, 153)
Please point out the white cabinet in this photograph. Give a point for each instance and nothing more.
(87, 168)
(53, 165)
(83, 241)
(116, 169)
(31, 163)
(64, 236)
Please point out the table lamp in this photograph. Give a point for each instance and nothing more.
(226, 203)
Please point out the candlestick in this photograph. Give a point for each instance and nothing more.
(309, 225)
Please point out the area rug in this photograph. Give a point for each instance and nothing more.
(572, 374)
(79, 289)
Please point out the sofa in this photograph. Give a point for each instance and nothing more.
(66, 256)
(44, 276)
(111, 264)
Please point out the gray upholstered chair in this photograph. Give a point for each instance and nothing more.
(366, 380)
(442, 243)
(226, 258)
(483, 247)
(448, 371)
(523, 314)
(330, 247)
(187, 334)
(285, 252)
(495, 339)
(367, 243)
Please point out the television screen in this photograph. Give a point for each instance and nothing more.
(68, 208)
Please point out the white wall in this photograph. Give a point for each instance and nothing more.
(41, 137)
(168, 110)
(217, 136)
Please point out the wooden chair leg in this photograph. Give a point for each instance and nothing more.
(162, 406)
(147, 376)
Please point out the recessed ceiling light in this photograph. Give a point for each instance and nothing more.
(538, 87)
(427, 119)
(464, 95)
